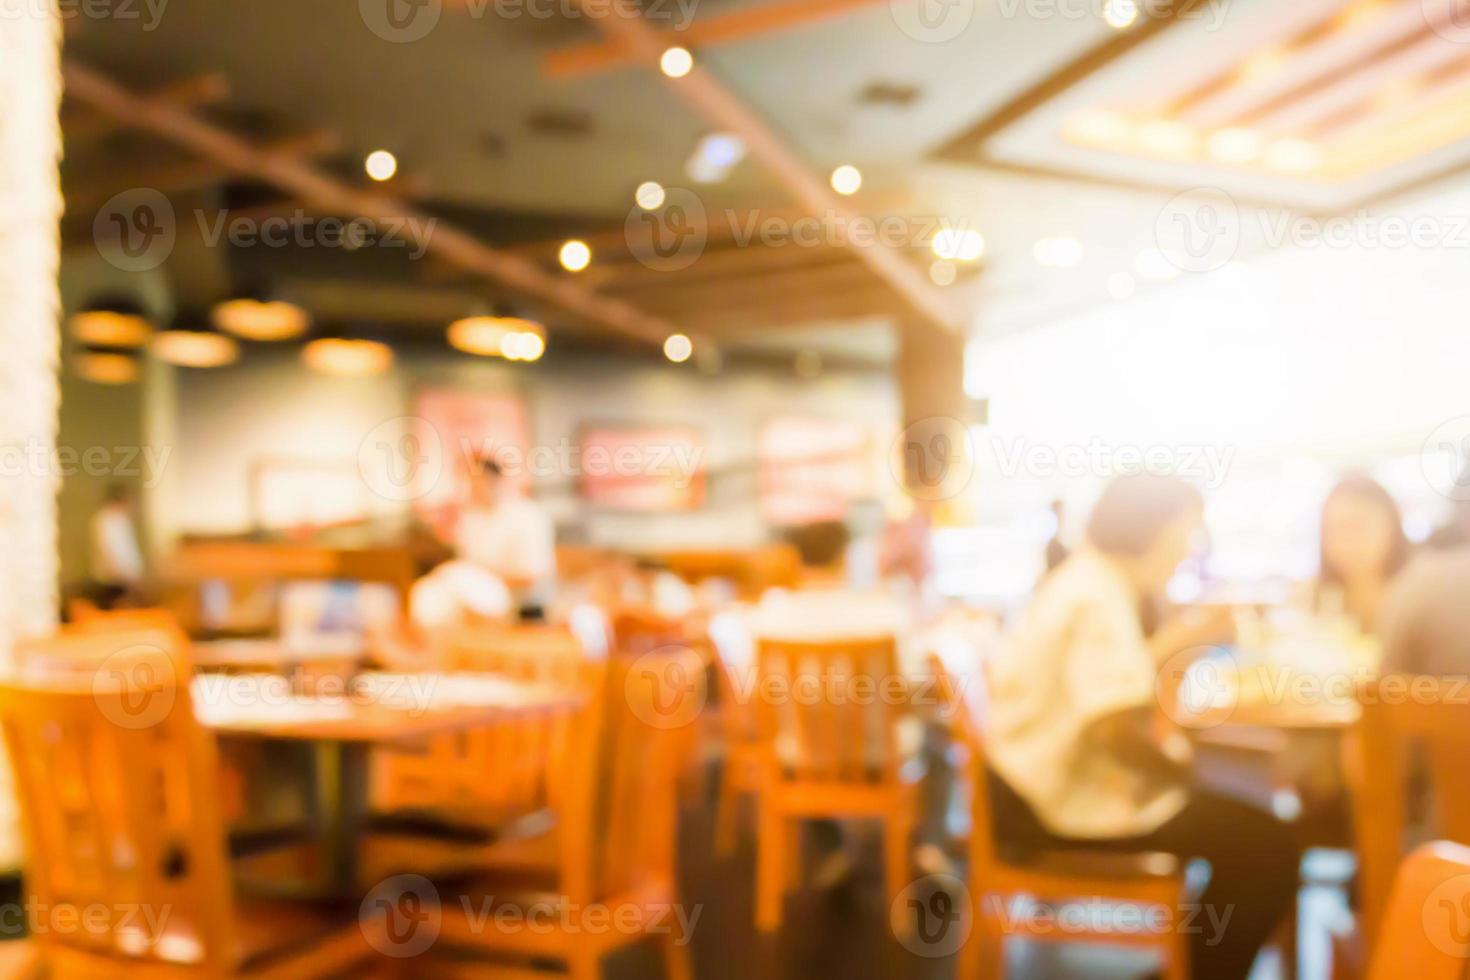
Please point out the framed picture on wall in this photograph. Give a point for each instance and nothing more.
(648, 468)
(811, 468)
(451, 431)
(299, 494)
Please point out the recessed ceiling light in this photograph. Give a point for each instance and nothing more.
(194, 348)
(347, 358)
(958, 244)
(846, 179)
(1120, 14)
(649, 195)
(1166, 137)
(1236, 144)
(1062, 252)
(678, 347)
(380, 165)
(714, 156)
(1099, 126)
(523, 345)
(676, 62)
(106, 367)
(1293, 156)
(574, 255)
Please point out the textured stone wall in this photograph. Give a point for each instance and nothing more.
(30, 207)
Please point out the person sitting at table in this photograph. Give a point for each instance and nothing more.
(1425, 623)
(1080, 758)
(508, 534)
(1363, 547)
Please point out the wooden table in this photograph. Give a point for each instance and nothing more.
(248, 656)
(344, 729)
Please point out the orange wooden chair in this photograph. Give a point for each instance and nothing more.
(832, 749)
(120, 812)
(615, 844)
(1425, 933)
(486, 797)
(744, 756)
(1052, 877)
(1404, 718)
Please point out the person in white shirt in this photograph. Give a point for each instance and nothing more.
(505, 533)
(116, 560)
(1074, 738)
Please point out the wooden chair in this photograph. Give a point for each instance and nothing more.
(828, 757)
(1051, 877)
(497, 772)
(616, 839)
(1405, 719)
(487, 797)
(1425, 933)
(120, 813)
(744, 756)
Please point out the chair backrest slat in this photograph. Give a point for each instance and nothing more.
(501, 769)
(1402, 718)
(620, 808)
(119, 810)
(827, 708)
(1426, 931)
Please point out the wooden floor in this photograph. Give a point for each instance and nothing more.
(844, 932)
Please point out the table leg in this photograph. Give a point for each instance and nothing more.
(341, 777)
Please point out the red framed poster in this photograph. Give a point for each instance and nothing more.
(812, 468)
(453, 431)
(647, 468)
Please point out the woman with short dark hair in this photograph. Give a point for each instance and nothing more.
(1073, 727)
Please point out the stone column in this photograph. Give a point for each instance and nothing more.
(30, 209)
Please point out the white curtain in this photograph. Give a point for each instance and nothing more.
(30, 202)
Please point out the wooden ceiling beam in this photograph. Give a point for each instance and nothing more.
(319, 189)
(708, 97)
(576, 60)
(764, 284)
(88, 125)
(180, 177)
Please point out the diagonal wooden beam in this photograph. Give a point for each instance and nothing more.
(317, 188)
(702, 92)
(198, 90)
(187, 175)
(780, 15)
